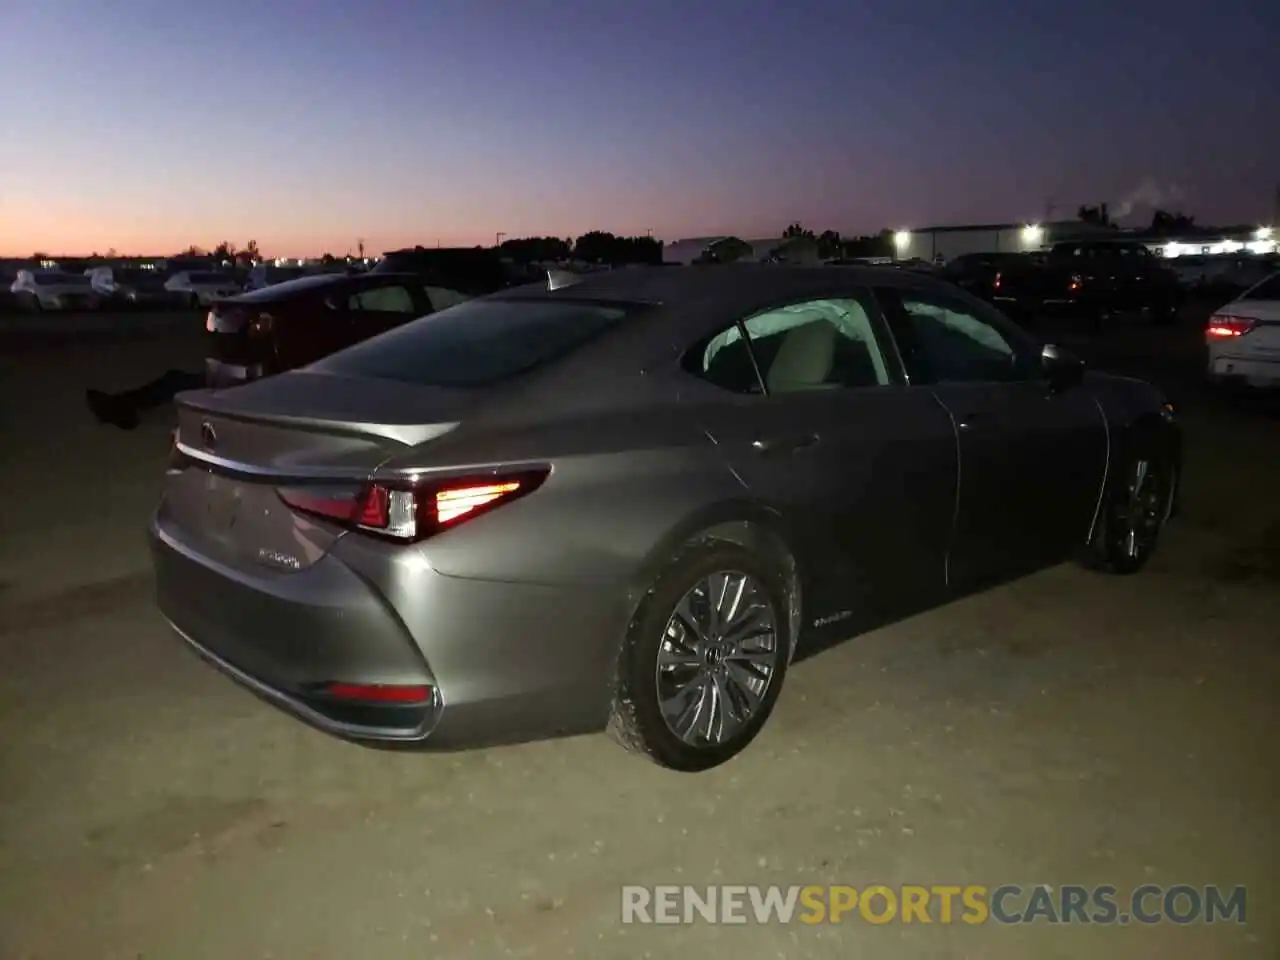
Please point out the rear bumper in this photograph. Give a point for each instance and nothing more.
(507, 663)
(1245, 372)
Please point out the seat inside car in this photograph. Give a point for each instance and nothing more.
(804, 359)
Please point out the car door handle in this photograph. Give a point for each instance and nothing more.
(787, 444)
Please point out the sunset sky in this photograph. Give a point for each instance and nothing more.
(149, 126)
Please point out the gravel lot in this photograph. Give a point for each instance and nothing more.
(1068, 728)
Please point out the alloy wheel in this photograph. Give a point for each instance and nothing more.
(717, 658)
(1144, 508)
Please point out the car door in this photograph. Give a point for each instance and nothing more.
(861, 467)
(375, 307)
(1032, 459)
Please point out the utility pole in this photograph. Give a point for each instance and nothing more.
(360, 246)
(1049, 207)
(649, 232)
(497, 239)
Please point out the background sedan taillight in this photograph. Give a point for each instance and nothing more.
(1225, 327)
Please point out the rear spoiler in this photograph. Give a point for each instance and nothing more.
(559, 279)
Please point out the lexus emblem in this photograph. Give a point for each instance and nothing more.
(208, 436)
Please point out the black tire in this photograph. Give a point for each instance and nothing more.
(195, 301)
(1112, 549)
(636, 721)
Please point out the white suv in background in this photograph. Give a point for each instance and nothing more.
(1244, 337)
(202, 287)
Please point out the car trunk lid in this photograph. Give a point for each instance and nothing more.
(236, 450)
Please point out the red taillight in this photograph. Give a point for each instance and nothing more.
(379, 692)
(996, 282)
(408, 512)
(1076, 282)
(1223, 327)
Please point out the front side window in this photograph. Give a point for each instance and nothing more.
(395, 299)
(945, 342)
(814, 345)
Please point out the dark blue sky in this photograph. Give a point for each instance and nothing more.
(305, 125)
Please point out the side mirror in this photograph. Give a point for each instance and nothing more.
(1061, 367)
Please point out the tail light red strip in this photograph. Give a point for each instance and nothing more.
(413, 511)
(379, 693)
(1225, 327)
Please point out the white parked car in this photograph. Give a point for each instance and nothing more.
(202, 287)
(1244, 337)
(129, 285)
(53, 290)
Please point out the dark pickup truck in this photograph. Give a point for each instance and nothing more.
(1092, 280)
(977, 272)
(473, 271)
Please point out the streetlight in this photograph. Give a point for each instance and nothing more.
(1032, 235)
(1264, 233)
(902, 240)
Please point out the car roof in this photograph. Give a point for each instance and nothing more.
(319, 282)
(729, 282)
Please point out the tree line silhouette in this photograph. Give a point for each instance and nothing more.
(602, 247)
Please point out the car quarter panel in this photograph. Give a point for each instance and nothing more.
(618, 483)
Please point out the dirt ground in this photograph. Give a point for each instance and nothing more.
(1068, 728)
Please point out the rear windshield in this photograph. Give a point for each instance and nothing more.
(289, 288)
(477, 343)
(61, 279)
(1268, 289)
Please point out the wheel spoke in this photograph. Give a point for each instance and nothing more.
(729, 717)
(747, 684)
(688, 706)
(692, 615)
(675, 656)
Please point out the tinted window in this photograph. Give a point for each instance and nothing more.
(818, 344)
(292, 288)
(944, 342)
(384, 300)
(1268, 289)
(196, 277)
(476, 343)
(442, 299)
(61, 279)
(469, 271)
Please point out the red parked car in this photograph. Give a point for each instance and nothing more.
(297, 322)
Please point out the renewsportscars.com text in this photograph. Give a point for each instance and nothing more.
(945, 904)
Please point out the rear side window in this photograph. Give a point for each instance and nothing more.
(384, 300)
(1268, 289)
(477, 343)
(442, 299)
